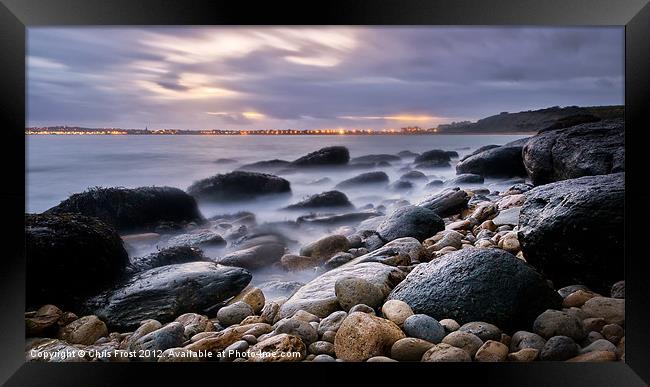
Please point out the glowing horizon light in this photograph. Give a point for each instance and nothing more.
(401, 117)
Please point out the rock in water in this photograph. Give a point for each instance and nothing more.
(436, 157)
(488, 285)
(168, 256)
(375, 158)
(368, 178)
(572, 231)
(163, 293)
(128, 209)
(410, 221)
(582, 150)
(466, 178)
(447, 202)
(333, 155)
(265, 165)
(70, 257)
(256, 257)
(326, 247)
(504, 161)
(238, 185)
(323, 200)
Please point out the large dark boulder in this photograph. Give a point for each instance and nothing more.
(164, 257)
(479, 150)
(582, 150)
(504, 161)
(336, 199)
(164, 293)
(489, 285)
(238, 185)
(70, 257)
(433, 155)
(364, 179)
(572, 230)
(255, 257)
(129, 209)
(266, 165)
(333, 155)
(410, 221)
(447, 202)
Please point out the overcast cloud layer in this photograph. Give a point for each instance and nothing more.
(312, 78)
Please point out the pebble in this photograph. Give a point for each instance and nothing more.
(380, 359)
(593, 324)
(409, 349)
(234, 313)
(323, 359)
(269, 311)
(524, 355)
(424, 327)
(446, 353)
(523, 339)
(362, 308)
(250, 339)
(618, 290)
(329, 336)
(611, 309)
(613, 333)
(596, 356)
(466, 341)
(578, 298)
(351, 291)
(599, 345)
(492, 351)
(331, 322)
(449, 325)
(85, 330)
(234, 351)
(321, 348)
(555, 323)
(396, 311)
(305, 316)
(44, 319)
(565, 291)
(282, 347)
(362, 336)
(591, 337)
(485, 331)
(252, 296)
(559, 348)
(510, 243)
(300, 328)
(488, 225)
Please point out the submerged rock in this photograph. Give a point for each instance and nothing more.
(163, 293)
(336, 199)
(238, 185)
(410, 221)
(128, 209)
(333, 155)
(264, 165)
(168, 256)
(375, 158)
(504, 161)
(70, 257)
(447, 202)
(436, 157)
(255, 257)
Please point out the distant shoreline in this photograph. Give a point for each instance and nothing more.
(290, 135)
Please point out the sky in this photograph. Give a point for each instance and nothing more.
(313, 77)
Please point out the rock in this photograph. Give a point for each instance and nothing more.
(434, 157)
(510, 243)
(291, 262)
(400, 185)
(559, 348)
(444, 239)
(265, 165)
(167, 256)
(445, 353)
(362, 336)
(478, 274)
(194, 323)
(466, 341)
(234, 351)
(277, 289)
(396, 311)
(410, 221)
(409, 349)
(329, 156)
(85, 330)
(146, 327)
(577, 298)
(238, 185)
(252, 296)
(347, 219)
(590, 211)
(331, 322)
(611, 309)
(297, 327)
(555, 323)
(337, 260)
(255, 257)
(381, 359)
(504, 161)
(449, 325)
(479, 150)
(524, 355)
(424, 327)
(362, 308)
(323, 359)
(522, 339)
(492, 351)
(70, 257)
(325, 248)
(618, 290)
(375, 158)
(319, 297)
(329, 199)
(351, 291)
(407, 247)
(413, 175)
(613, 333)
(466, 178)
(198, 239)
(166, 292)
(582, 150)
(599, 345)
(169, 336)
(234, 313)
(321, 348)
(435, 183)
(368, 178)
(596, 356)
(128, 209)
(565, 291)
(483, 330)
(282, 347)
(447, 202)
(43, 322)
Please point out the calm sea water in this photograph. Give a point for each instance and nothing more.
(58, 166)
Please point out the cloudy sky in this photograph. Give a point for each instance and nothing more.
(313, 78)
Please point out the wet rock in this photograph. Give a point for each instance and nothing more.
(169, 336)
(167, 256)
(291, 262)
(433, 158)
(424, 327)
(444, 239)
(275, 289)
(166, 292)
(433, 288)
(362, 336)
(238, 185)
(492, 351)
(329, 199)
(351, 291)
(410, 221)
(255, 257)
(445, 353)
(484, 331)
(565, 291)
(413, 175)
(465, 178)
(555, 323)
(329, 156)
(479, 150)
(282, 347)
(347, 219)
(85, 330)
(407, 154)
(43, 322)
(198, 239)
(368, 178)
(504, 161)
(559, 348)
(578, 298)
(611, 309)
(325, 248)
(337, 260)
(321, 348)
(590, 211)
(447, 202)
(323, 359)
(582, 150)
(409, 349)
(70, 257)
(129, 209)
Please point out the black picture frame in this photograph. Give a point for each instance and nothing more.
(17, 15)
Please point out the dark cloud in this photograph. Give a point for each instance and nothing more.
(311, 77)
